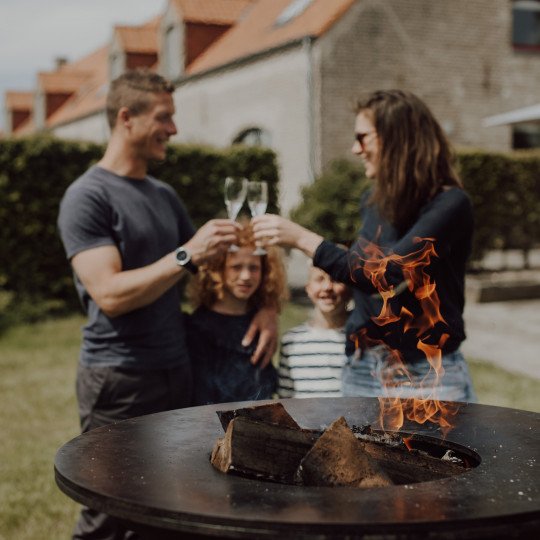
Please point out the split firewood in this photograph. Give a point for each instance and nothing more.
(409, 466)
(272, 413)
(338, 458)
(262, 450)
(265, 442)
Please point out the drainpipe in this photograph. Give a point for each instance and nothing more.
(307, 45)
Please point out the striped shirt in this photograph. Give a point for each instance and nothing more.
(311, 361)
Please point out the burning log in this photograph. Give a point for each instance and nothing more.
(338, 458)
(260, 449)
(265, 442)
(272, 413)
(408, 466)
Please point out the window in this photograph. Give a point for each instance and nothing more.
(526, 136)
(292, 10)
(253, 137)
(526, 25)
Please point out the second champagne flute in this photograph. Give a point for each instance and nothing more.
(234, 195)
(257, 197)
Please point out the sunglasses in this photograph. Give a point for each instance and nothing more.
(360, 138)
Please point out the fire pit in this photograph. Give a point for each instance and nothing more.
(154, 472)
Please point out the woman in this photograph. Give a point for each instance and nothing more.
(407, 268)
(226, 294)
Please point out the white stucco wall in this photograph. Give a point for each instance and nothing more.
(270, 94)
(92, 128)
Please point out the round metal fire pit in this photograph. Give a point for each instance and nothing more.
(154, 472)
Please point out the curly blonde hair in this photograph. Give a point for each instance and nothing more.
(207, 286)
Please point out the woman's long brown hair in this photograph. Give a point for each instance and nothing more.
(415, 158)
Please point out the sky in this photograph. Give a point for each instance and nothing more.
(35, 32)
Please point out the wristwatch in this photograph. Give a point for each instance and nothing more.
(183, 258)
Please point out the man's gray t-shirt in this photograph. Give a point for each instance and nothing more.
(145, 220)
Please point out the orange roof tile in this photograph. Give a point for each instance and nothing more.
(224, 12)
(62, 81)
(258, 31)
(90, 96)
(138, 39)
(19, 100)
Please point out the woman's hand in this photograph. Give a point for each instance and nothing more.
(270, 230)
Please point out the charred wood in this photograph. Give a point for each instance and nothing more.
(338, 458)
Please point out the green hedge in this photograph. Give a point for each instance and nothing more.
(329, 206)
(504, 189)
(34, 174)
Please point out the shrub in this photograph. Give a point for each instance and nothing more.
(330, 205)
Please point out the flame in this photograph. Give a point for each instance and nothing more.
(395, 377)
(407, 442)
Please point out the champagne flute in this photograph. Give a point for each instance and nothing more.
(234, 195)
(257, 196)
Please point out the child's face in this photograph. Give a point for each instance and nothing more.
(327, 295)
(243, 273)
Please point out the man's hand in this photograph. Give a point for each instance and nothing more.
(214, 237)
(265, 323)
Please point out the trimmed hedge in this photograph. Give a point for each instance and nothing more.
(329, 206)
(34, 174)
(504, 189)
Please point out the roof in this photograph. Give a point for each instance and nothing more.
(19, 100)
(517, 116)
(139, 39)
(220, 12)
(62, 81)
(257, 31)
(90, 95)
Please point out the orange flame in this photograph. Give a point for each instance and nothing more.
(426, 407)
(407, 442)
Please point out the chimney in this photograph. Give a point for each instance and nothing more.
(60, 61)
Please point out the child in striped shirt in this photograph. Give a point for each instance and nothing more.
(312, 354)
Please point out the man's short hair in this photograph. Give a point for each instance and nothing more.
(132, 90)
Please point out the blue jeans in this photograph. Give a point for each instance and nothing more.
(363, 376)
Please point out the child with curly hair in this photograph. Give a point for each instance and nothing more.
(226, 293)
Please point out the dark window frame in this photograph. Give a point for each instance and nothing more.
(526, 9)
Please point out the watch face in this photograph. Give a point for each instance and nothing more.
(182, 256)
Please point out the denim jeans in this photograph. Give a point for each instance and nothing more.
(363, 376)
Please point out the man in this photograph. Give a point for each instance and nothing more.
(130, 240)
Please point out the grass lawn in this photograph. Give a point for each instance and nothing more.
(37, 378)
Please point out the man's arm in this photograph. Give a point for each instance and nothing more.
(117, 291)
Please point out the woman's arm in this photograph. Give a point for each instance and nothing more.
(445, 219)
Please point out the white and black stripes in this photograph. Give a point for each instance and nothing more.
(311, 362)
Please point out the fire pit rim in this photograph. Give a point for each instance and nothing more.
(238, 490)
